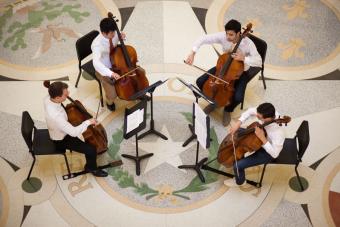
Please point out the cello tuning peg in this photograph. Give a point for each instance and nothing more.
(117, 20)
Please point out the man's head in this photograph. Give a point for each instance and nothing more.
(58, 91)
(265, 112)
(107, 27)
(233, 30)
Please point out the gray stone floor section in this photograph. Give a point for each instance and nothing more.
(144, 31)
(298, 98)
(0, 204)
(13, 146)
(287, 214)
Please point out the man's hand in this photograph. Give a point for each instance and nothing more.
(235, 127)
(260, 134)
(190, 58)
(93, 121)
(115, 76)
(123, 35)
(239, 56)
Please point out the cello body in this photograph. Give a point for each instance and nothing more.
(94, 134)
(223, 93)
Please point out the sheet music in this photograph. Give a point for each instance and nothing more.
(201, 126)
(134, 120)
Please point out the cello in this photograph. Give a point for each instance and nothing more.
(76, 114)
(227, 70)
(124, 59)
(233, 147)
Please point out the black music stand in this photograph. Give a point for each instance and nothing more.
(202, 128)
(141, 93)
(198, 94)
(134, 122)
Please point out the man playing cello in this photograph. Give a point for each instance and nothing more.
(271, 144)
(65, 135)
(246, 52)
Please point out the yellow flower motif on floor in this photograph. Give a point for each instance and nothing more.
(296, 10)
(165, 193)
(292, 49)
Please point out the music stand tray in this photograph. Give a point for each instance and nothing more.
(141, 93)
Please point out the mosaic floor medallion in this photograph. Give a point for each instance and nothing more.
(162, 186)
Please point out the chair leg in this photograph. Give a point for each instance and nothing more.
(78, 77)
(68, 167)
(263, 79)
(298, 177)
(29, 174)
(263, 170)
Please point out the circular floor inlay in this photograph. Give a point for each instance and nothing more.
(295, 185)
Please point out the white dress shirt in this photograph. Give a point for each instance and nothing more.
(275, 134)
(247, 47)
(57, 121)
(101, 54)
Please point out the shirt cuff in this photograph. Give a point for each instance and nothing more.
(194, 49)
(266, 146)
(87, 123)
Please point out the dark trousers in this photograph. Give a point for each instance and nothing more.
(240, 85)
(75, 144)
(258, 158)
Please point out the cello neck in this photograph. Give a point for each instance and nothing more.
(125, 53)
(80, 107)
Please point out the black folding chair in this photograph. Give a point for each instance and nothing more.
(83, 47)
(292, 151)
(38, 141)
(261, 47)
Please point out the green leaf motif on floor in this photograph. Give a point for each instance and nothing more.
(37, 13)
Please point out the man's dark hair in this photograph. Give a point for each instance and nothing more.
(266, 110)
(107, 25)
(233, 25)
(56, 89)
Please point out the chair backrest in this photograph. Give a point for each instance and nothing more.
(27, 126)
(302, 136)
(83, 44)
(261, 46)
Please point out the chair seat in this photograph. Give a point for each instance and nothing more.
(43, 145)
(89, 68)
(289, 153)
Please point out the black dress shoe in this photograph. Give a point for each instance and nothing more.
(111, 107)
(99, 173)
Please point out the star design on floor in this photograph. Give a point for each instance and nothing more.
(164, 151)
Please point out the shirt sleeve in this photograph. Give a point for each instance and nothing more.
(274, 148)
(208, 39)
(250, 112)
(69, 129)
(98, 65)
(252, 58)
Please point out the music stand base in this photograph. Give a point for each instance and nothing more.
(197, 167)
(152, 130)
(191, 138)
(137, 160)
(206, 167)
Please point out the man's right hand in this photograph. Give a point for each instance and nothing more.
(115, 76)
(190, 58)
(93, 121)
(235, 127)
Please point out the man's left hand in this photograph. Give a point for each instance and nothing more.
(123, 35)
(260, 134)
(239, 56)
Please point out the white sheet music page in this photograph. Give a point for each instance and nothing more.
(134, 120)
(201, 126)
